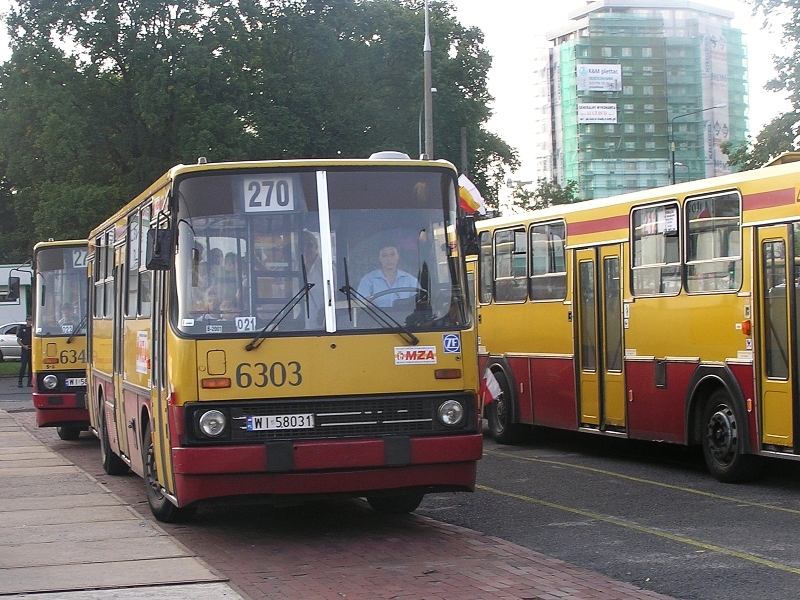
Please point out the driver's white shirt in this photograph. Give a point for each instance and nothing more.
(375, 282)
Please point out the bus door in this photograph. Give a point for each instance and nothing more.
(599, 347)
(159, 389)
(117, 345)
(776, 312)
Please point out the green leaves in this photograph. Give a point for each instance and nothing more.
(101, 97)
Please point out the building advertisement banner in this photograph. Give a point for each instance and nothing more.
(715, 92)
(597, 113)
(599, 78)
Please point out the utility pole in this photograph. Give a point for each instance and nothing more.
(426, 54)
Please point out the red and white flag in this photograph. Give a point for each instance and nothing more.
(490, 388)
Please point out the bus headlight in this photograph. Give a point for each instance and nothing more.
(451, 413)
(50, 382)
(212, 423)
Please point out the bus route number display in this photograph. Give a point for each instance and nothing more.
(268, 194)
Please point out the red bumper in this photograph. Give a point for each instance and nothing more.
(60, 409)
(325, 467)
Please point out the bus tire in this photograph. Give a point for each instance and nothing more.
(162, 509)
(69, 433)
(112, 464)
(724, 442)
(399, 504)
(500, 414)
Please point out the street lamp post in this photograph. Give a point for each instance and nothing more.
(672, 132)
(426, 55)
(421, 115)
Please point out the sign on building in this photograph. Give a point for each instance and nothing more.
(597, 113)
(599, 78)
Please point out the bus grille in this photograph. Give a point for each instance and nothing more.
(371, 416)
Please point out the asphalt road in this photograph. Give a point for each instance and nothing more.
(648, 514)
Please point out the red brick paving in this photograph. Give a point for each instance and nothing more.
(343, 550)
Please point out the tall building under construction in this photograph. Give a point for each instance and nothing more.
(636, 94)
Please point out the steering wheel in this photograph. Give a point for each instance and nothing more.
(400, 290)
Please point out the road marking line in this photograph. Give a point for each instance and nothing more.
(647, 530)
(646, 481)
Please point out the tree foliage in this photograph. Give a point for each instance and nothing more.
(99, 98)
(780, 134)
(547, 193)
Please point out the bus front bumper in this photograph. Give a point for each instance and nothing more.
(55, 410)
(310, 467)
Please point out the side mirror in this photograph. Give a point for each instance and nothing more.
(13, 289)
(469, 235)
(159, 249)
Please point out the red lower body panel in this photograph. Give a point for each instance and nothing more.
(60, 409)
(325, 467)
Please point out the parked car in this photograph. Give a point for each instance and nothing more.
(9, 348)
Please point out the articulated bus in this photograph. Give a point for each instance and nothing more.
(276, 330)
(666, 315)
(58, 351)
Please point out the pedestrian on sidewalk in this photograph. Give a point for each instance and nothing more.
(24, 340)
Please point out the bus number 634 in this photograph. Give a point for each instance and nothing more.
(262, 374)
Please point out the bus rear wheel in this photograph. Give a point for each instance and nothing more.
(162, 509)
(112, 464)
(500, 414)
(399, 504)
(723, 441)
(69, 433)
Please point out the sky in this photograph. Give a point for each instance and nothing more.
(513, 29)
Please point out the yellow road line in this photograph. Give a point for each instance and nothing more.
(645, 481)
(640, 528)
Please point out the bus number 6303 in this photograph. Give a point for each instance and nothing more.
(261, 374)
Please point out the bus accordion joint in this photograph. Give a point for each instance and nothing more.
(747, 327)
(216, 383)
(447, 373)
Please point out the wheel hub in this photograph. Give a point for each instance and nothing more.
(722, 435)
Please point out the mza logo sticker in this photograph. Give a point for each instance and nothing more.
(451, 342)
(415, 355)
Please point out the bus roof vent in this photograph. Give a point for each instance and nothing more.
(389, 155)
(202, 160)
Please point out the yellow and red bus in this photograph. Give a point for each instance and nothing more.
(234, 351)
(666, 315)
(58, 350)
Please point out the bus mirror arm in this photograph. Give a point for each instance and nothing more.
(159, 249)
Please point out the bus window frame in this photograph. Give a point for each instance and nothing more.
(550, 274)
(514, 229)
(666, 202)
(726, 259)
(485, 271)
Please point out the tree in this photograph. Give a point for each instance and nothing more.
(547, 193)
(101, 97)
(780, 134)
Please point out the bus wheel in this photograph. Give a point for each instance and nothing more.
(112, 464)
(400, 504)
(723, 441)
(69, 432)
(162, 509)
(500, 414)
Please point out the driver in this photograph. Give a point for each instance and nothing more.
(388, 277)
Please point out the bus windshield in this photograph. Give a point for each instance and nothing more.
(315, 251)
(60, 291)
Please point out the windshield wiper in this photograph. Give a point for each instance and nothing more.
(75, 331)
(279, 317)
(376, 312)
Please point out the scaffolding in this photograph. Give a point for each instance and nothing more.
(671, 61)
